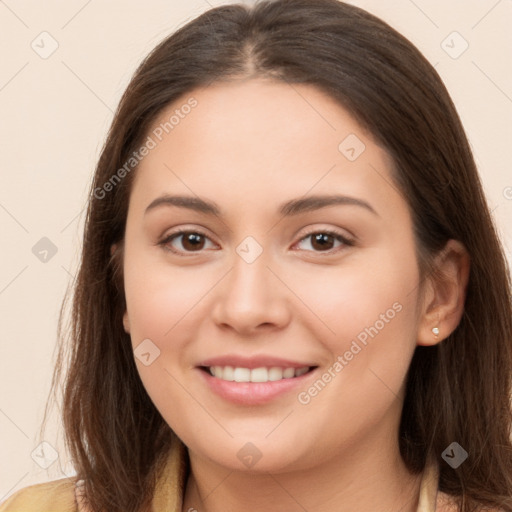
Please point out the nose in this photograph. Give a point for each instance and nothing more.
(251, 299)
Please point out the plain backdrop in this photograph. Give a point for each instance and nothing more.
(64, 66)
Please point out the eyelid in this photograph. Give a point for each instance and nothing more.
(166, 239)
(346, 240)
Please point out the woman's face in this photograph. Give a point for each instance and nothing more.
(298, 256)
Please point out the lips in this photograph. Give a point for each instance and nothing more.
(253, 380)
(261, 361)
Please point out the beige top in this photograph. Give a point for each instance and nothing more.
(65, 495)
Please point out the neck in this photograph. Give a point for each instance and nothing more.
(364, 480)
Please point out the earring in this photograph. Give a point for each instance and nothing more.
(435, 330)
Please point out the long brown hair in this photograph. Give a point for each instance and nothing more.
(458, 390)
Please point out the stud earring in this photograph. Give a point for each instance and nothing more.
(435, 330)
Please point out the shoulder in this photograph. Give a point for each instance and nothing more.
(54, 496)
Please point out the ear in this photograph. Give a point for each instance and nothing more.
(126, 320)
(444, 294)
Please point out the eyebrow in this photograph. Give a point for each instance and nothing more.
(289, 208)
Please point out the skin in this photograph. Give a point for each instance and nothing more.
(249, 146)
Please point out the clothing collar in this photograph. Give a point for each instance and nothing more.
(170, 486)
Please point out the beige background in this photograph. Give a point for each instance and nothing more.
(55, 112)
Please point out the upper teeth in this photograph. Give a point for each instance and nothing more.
(256, 374)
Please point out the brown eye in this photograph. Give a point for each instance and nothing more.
(191, 241)
(324, 241)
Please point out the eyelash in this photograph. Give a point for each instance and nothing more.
(338, 236)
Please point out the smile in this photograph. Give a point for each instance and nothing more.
(262, 374)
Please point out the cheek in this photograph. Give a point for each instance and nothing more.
(158, 301)
(159, 295)
(163, 306)
(368, 325)
(346, 302)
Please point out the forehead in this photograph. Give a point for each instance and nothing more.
(245, 141)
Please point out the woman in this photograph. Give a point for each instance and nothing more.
(291, 293)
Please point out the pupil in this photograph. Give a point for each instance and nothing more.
(321, 239)
(194, 239)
